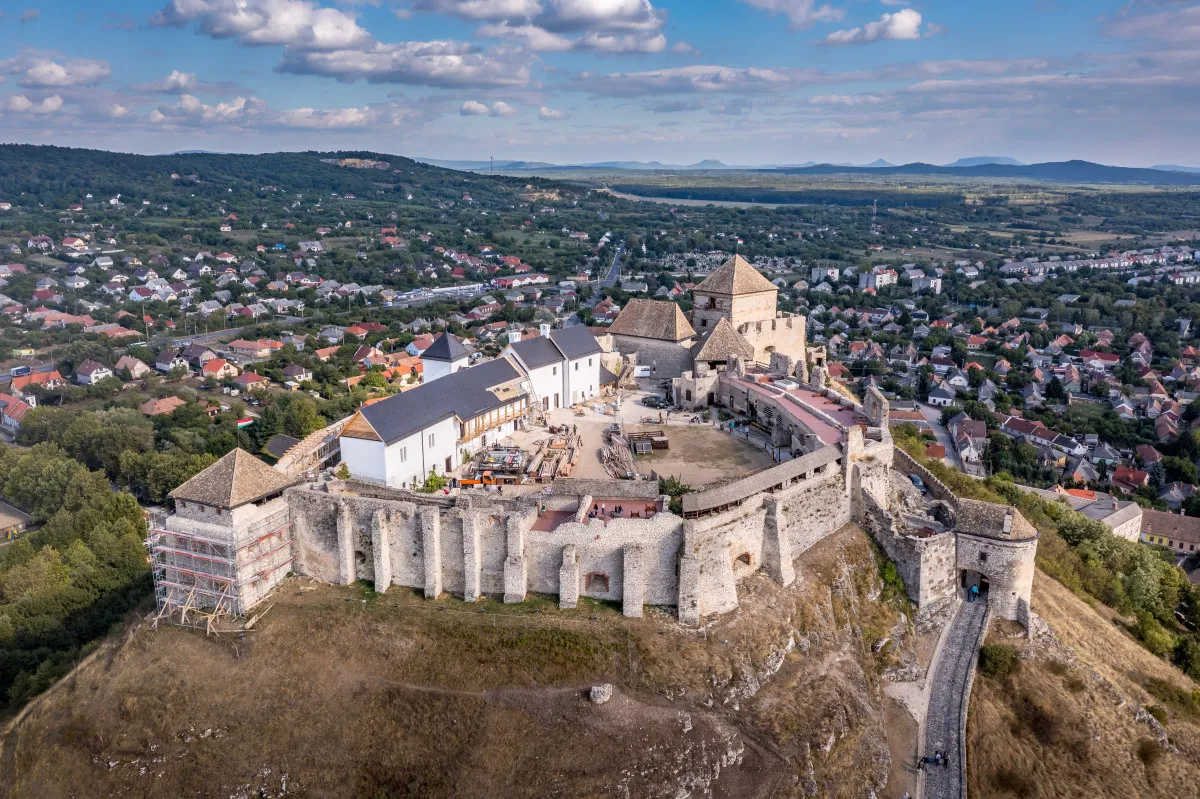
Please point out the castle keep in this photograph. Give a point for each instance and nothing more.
(240, 526)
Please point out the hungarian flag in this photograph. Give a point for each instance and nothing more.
(245, 422)
(740, 240)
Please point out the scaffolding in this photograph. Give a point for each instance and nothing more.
(199, 579)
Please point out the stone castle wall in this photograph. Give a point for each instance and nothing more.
(785, 333)
(477, 544)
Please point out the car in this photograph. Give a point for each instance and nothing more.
(656, 402)
(919, 483)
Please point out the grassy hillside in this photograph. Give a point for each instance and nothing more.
(340, 692)
(1080, 717)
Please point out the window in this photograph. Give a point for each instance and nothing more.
(589, 361)
(403, 454)
(431, 439)
(983, 557)
(576, 366)
(554, 370)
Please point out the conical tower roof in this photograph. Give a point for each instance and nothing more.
(234, 480)
(445, 347)
(735, 276)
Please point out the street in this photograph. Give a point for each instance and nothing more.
(614, 271)
(933, 415)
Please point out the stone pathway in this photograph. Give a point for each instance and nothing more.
(943, 721)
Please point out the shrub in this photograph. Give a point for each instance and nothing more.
(998, 661)
(1149, 752)
(1158, 712)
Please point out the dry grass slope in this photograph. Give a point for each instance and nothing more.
(1067, 723)
(345, 693)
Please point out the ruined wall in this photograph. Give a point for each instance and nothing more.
(785, 333)
(666, 358)
(926, 565)
(937, 489)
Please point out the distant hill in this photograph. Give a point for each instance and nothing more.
(980, 160)
(1193, 170)
(1056, 171)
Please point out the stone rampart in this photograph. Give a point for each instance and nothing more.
(937, 489)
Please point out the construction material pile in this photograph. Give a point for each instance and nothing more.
(554, 456)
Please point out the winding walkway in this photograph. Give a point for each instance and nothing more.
(946, 717)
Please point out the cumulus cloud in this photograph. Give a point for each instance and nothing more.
(482, 9)
(904, 24)
(175, 83)
(473, 108)
(265, 22)
(118, 111)
(604, 26)
(550, 115)
(38, 71)
(801, 13)
(180, 82)
(531, 36)
(330, 119)
(21, 104)
(437, 63)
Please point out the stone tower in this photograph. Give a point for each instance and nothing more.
(735, 291)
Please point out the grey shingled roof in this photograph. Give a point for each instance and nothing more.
(277, 445)
(658, 319)
(445, 347)
(463, 394)
(234, 480)
(536, 352)
(575, 342)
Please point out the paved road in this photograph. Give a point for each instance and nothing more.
(614, 271)
(933, 415)
(944, 718)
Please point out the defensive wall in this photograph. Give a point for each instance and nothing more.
(475, 544)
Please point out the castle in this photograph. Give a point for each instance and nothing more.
(240, 526)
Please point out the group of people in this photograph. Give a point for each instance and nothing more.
(939, 758)
(601, 510)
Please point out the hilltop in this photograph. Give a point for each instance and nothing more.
(342, 692)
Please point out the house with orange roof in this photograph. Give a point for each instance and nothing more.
(45, 379)
(218, 369)
(158, 407)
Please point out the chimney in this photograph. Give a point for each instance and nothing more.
(545, 329)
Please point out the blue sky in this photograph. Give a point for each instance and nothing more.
(744, 81)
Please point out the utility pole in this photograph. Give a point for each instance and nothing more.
(491, 165)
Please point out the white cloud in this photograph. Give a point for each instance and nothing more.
(437, 63)
(904, 24)
(21, 104)
(691, 79)
(190, 108)
(473, 108)
(288, 22)
(1180, 25)
(175, 83)
(550, 115)
(38, 71)
(801, 13)
(845, 99)
(331, 119)
(601, 15)
(118, 111)
(537, 39)
(30, 14)
(482, 9)
(623, 43)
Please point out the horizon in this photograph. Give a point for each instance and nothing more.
(586, 81)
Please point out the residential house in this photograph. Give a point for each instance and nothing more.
(171, 359)
(136, 369)
(91, 372)
(249, 381)
(218, 369)
(158, 407)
